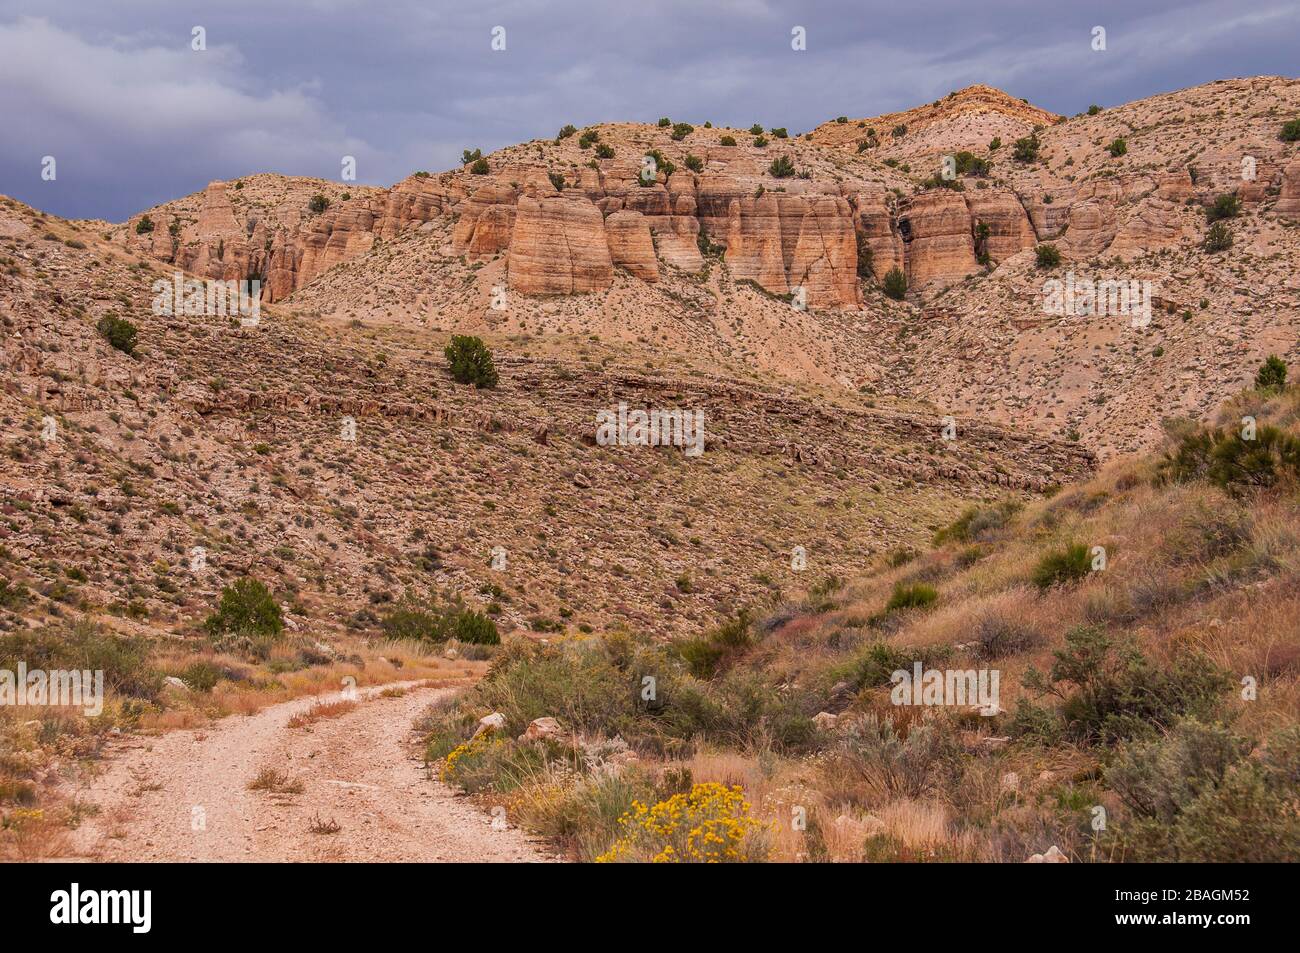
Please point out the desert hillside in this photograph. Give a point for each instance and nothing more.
(389, 470)
(230, 438)
(767, 251)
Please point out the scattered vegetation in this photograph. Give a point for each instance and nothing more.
(1225, 206)
(247, 608)
(1026, 149)
(781, 168)
(1047, 255)
(470, 361)
(895, 284)
(118, 332)
(1218, 237)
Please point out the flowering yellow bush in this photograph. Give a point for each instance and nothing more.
(22, 817)
(710, 824)
(472, 747)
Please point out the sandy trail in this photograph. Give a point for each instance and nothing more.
(183, 796)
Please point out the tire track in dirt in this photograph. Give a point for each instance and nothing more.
(183, 796)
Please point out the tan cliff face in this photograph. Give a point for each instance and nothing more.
(804, 231)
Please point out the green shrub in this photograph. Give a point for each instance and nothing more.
(410, 620)
(727, 141)
(665, 122)
(975, 522)
(85, 646)
(705, 655)
(779, 132)
(118, 332)
(604, 151)
(1290, 131)
(587, 138)
(583, 818)
(246, 608)
(1228, 460)
(915, 596)
(694, 163)
(202, 676)
(474, 628)
(781, 168)
(970, 164)
(1218, 238)
(1271, 375)
(1093, 110)
(755, 130)
(895, 284)
(662, 164)
(1198, 795)
(318, 204)
(759, 142)
(565, 132)
(467, 156)
(13, 595)
(1061, 567)
(1117, 148)
(1226, 205)
(470, 361)
(1047, 255)
(1110, 691)
(479, 167)
(681, 130)
(1026, 149)
(874, 666)
(702, 657)
(557, 180)
(144, 226)
(912, 765)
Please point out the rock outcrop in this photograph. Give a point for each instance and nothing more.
(936, 228)
(874, 222)
(630, 244)
(1288, 202)
(558, 246)
(1009, 230)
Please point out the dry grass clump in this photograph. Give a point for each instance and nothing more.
(275, 781)
(320, 711)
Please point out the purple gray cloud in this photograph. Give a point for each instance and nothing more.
(134, 116)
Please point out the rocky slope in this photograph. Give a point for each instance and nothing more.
(714, 258)
(237, 440)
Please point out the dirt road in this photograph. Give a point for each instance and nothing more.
(184, 795)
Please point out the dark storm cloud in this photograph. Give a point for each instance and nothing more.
(133, 116)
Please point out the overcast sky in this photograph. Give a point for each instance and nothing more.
(134, 116)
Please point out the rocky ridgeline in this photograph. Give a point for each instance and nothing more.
(781, 233)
